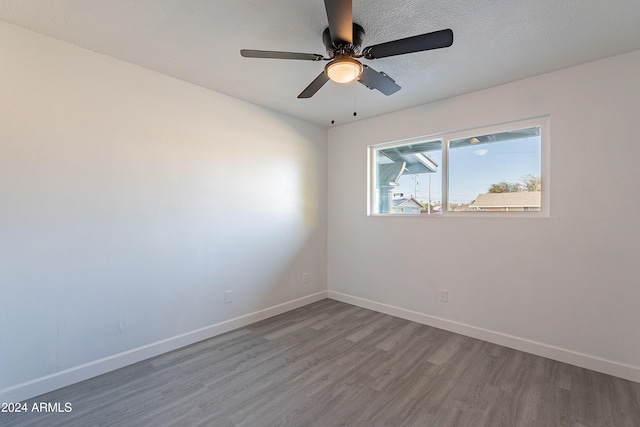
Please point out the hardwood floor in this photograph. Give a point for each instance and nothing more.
(333, 364)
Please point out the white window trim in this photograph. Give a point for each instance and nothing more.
(445, 138)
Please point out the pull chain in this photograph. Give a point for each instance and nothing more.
(333, 110)
(354, 97)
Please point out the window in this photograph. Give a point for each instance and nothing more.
(493, 169)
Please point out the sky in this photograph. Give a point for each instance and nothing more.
(473, 169)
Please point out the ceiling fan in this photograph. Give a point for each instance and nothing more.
(343, 39)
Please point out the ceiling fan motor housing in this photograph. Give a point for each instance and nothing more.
(344, 49)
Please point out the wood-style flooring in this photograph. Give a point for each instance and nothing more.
(334, 364)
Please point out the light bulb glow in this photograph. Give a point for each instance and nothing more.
(343, 70)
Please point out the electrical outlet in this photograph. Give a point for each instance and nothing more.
(305, 278)
(227, 297)
(444, 295)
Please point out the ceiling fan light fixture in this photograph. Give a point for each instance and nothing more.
(343, 70)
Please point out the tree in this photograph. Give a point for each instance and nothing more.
(505, 187)
(527, 183)
(532, 183)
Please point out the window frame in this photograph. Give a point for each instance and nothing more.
(543, 122)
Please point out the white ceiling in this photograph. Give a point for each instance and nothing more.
(495, 42)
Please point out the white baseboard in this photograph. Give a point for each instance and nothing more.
(79, 373)
(628, 372)
(76, 374)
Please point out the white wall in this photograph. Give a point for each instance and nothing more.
(130, 201)
(572, 289)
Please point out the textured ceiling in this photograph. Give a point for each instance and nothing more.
(199, 41)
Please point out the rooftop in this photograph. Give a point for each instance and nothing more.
(519, 199)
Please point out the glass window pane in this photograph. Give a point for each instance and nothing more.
(496, 172)
(408, 179)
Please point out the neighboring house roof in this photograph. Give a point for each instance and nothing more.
(519, 199)
(405, 202)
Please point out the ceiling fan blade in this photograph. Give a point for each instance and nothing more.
(378, 80)
(339, 14)
(248, 53)
(428, 41)
(314, 86)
